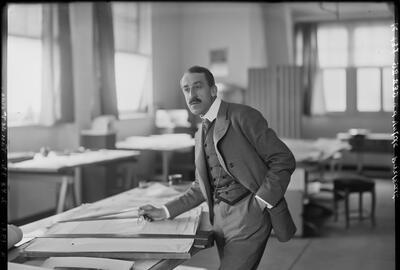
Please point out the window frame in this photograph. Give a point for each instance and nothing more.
(128, 114)
(36, 37)
(137, 114)
(351, 72)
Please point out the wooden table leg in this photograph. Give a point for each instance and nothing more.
(165, 165)
(62, 194)
(77, 185)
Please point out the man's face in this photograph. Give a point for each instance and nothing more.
(199, 96)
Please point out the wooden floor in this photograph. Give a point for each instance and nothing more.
(336, 248)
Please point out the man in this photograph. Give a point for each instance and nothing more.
(242, 171)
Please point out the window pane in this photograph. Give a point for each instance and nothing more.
(368, 89)
(387, 82)
(25, 20)
(24, 79)
(332, 46)
(126, 26)
(130, 76)
(373, 45)
(334, 84)
(299, 48)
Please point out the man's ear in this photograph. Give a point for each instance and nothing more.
(214, 91)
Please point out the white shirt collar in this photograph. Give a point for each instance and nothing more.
(213, 111)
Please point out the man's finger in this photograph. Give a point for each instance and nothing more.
(146, 207)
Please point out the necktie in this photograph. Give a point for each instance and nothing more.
(206, 125)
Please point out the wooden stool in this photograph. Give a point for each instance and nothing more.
(343, 187)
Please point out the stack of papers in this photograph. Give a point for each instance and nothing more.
(87, 263)
(18, 266)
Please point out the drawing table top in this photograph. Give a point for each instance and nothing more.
(58, 163)
(143, 261)
(162, 142)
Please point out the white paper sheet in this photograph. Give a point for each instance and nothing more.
(76, 159)
(18, 266)
(185, 224)
(88, 262)
(73, 245)
(156, 194)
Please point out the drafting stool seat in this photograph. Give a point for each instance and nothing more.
(344, 186)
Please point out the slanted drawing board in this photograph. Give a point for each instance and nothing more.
(123, 236)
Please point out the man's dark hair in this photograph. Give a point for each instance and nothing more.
(205, 71)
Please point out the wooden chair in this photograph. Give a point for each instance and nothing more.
(344, 186)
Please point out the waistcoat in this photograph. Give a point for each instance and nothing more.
(224, 187)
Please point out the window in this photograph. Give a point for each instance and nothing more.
(372, 45)
(24, 64)
(132, 39)
(368, 89)
(387, 89)
(355, 59)
(334, 82)
(332, 46)
(130, 87)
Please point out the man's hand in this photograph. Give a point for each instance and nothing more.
(151, 213)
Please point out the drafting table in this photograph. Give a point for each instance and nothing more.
(143, 261)
(164, 143)
(308, 154)
(373, 143)
(66, 169)
(370, 142)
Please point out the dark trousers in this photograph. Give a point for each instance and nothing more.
(241, 233)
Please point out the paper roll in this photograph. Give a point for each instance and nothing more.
(14, 235)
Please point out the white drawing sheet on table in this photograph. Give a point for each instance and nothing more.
(157, 194)
(185, 224)
(19, 266)
(73, 245)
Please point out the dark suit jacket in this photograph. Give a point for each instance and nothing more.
(252, 153)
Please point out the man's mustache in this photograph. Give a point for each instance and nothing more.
(194, 100)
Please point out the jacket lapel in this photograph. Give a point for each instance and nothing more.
(220, 129)
(201, 166)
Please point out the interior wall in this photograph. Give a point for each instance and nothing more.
(278, 29)
(321, 126)
(167, 54)
(257, 38)
(32, 138)
(234, 26)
